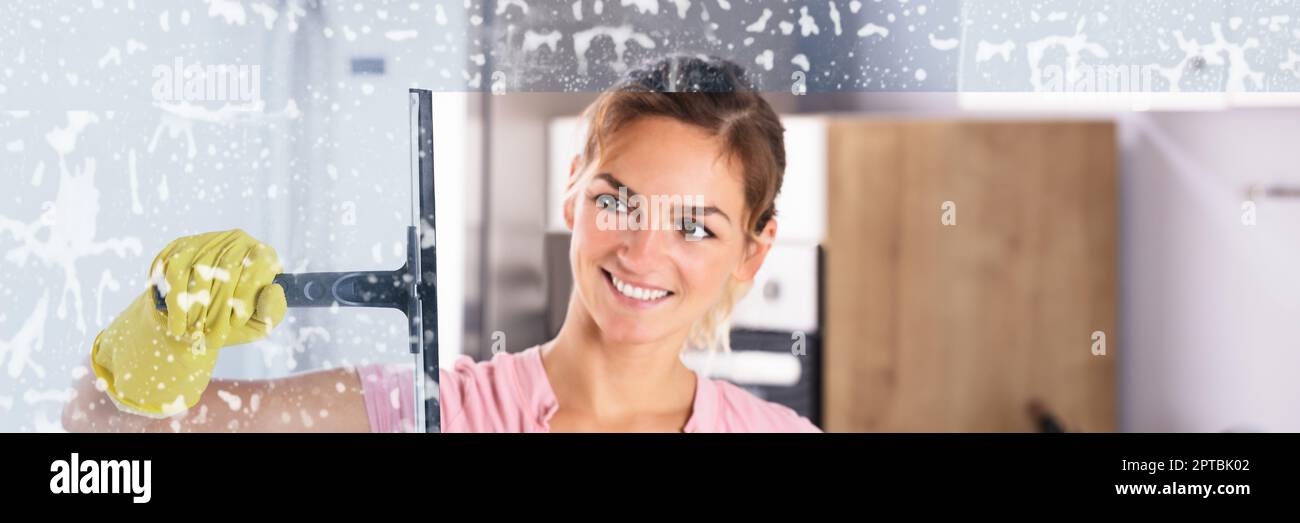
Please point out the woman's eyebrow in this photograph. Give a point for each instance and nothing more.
(705, 211)
(613, 182)
(699, 211)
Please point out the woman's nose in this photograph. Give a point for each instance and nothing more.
(644, 249)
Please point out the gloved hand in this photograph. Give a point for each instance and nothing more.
(219, 292)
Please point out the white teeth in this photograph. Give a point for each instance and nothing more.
(635, 292)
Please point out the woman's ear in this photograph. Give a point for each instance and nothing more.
(755, 252)
(569, 200)
(568, 211)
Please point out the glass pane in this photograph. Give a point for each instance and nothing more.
(126, 125)
(129, 125)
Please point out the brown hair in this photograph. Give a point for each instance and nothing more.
(712, 94)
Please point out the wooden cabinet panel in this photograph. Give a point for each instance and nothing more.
(956, 328)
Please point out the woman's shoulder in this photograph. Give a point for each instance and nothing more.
(504, 368)
(466, 367)
(486, 396)
(738, 410)
(502, 394)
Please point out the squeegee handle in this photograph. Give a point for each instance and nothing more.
(389, 289)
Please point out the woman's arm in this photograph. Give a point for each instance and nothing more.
(319, 401)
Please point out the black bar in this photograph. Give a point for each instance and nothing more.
(1006, 473)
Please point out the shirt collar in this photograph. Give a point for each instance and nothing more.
(704, 414)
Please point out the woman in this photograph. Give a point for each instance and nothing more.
(683, 130)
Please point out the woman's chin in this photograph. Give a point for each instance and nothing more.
(630, 332)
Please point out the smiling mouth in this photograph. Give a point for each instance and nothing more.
(633, 292)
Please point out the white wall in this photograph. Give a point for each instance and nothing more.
(1209, 334)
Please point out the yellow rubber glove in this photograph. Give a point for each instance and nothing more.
(219, 292)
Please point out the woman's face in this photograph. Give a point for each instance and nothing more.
(644, 280)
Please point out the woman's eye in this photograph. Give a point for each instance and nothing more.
(695, 231)
(608, 201)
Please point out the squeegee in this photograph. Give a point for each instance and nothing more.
(411, 288)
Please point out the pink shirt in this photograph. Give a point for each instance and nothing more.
(510, 393)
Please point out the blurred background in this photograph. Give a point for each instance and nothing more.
(998, 215)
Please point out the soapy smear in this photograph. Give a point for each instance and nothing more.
(943, 44)
(229, 10)
(232, 400)
(175, 126)
(502, 5)
(32, 396)
(106, 282)
(64, 139)
(987, 50)
(1292, 63)
(268, 14)
(682, 7)
(807, 24)
(1075, 45)
(534, 40)
(113, 56)
(760, 25)
(835, 18)
(643, 6)
(801, 60)
(1239, 70)
(401, 35)
(620, 35)
(16, 353)
(134, 181)
(68, 228)
(38, 175)
(872, 29)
